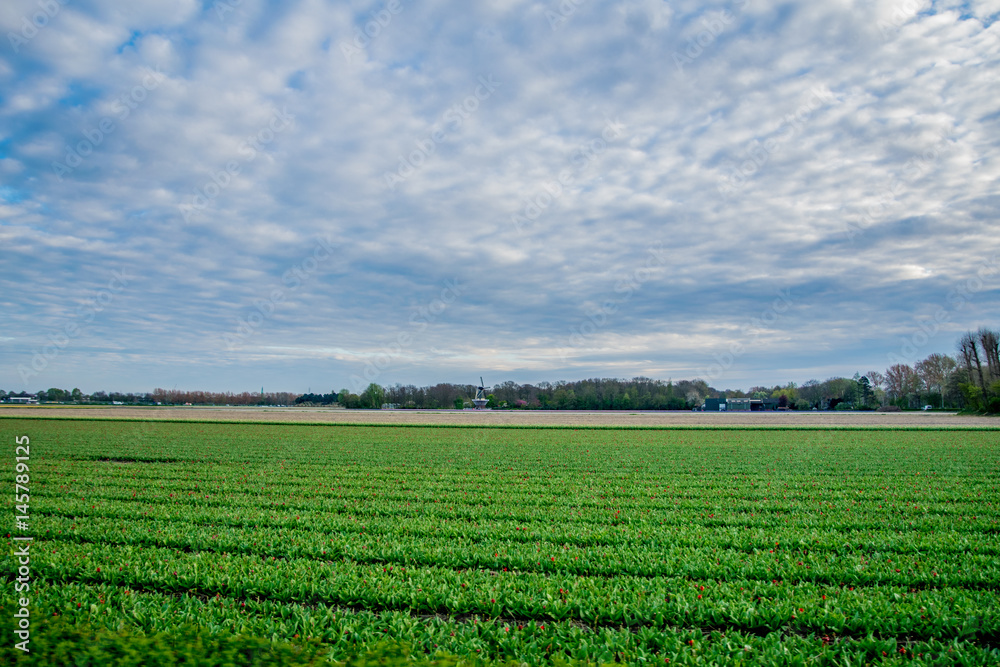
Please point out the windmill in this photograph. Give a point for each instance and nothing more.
(480, 400)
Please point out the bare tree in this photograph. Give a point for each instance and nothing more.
(894, 380)
(968, 348)
(878, 384)
(989, 340)
(901, 381)
(877, 379)
(934, 371)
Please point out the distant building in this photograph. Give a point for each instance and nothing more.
(714, 405)
(740, 404)
(27, 400)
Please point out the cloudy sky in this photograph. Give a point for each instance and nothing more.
(314, 194)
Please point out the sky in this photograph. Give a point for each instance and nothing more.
(314, 195)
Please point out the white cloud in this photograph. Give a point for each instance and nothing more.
(901, 143)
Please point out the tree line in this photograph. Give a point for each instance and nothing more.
(156, 397)
(970, 380)
(639, 393)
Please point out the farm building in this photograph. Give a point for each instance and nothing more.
(740, 404)
(28, 400)
(714, 405)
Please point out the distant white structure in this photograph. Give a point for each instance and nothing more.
(26, 400)
(480, 400)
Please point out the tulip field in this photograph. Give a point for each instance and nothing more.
(529, 546)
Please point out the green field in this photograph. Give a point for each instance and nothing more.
(699, 546)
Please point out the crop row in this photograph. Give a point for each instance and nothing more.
(734, 603)
(660, 559)
(345, 631)
(589, 503)
(676, 533)
(885, 458)
(759, 517)
(320, 479)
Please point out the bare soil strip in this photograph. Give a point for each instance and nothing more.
(511, 417)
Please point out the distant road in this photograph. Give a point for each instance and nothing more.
(511, 417)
